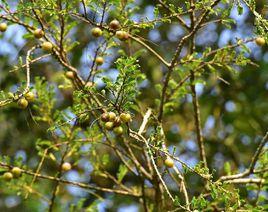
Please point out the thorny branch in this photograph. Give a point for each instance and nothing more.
(128, 155)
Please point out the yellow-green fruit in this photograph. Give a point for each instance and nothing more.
(117, 122)
(125, 117)
(38, 33)
(109, 125)
(16, 171)
(47, 46)
(3, 27)
(22, 103)
(105, 117)
(260, 41)
(118, 130)
(29, 96)
(7, 176)
(122, 35)
(114, 24)
(66, 167)
(69, 75)
(96, 32)
(112, 116)
(99, 60)
(169, 162)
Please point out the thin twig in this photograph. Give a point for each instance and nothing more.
(254, 160)
(78, 184)
(145, 121)
(150, 49)
(245, 181)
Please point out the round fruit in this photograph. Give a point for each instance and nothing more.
(112, 116)
(96, 32)
(38, 33)
(260, 41)
(69, 74)
(29, 96)
(90, 84)
(109, 125)
(22, 103)
(66, 166)
(105, 117)
(16, 171)
(99, 60)
(47, 46)
(10, 95)
(118, 130)
(7, 176)
(125, 117)
(114, 24)
(169, 162)
(117, 122)
(122, 35)
(3, 27)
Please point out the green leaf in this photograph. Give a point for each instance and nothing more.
(227, 168)
(105, 159)
(121, 172)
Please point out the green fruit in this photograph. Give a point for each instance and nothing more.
(66, 167)
(96, 32)
(3, 27)
(47, 46)
(260, 41)
(29, 96)
(121, 52)
(112, 116)
(122, 35)
(125, 117)
(169, 162)
(99, 60)
(105, 117)
(118, 130)
(109, 125)
(22, 103)
(7, 176)
(10, 95)
(16, 171)
(38, 33)
(114, 24)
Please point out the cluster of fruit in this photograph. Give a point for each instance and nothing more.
(114, 26)
(46, 46)
(14, 173)
(24, 101)
(38, 33)
(113, 122)
(120, 34)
